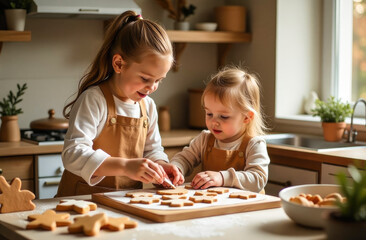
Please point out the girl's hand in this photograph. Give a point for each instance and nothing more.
(207, 179)
(144, 170)
(173, 173)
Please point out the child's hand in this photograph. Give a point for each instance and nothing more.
(207, 179)
(173, 173)
(144, 170)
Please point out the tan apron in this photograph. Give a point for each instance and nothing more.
(219, 160)
(121, 137)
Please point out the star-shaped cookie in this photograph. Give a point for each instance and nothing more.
(12, 199)
(48, 220)
(203, 199)
(242, 195)
(176, 201)
(118, 224)
(79, 206)
(205, 193)
(176, 191)
(90, 225)
(145, 200)
(219, 190)
(139, 194)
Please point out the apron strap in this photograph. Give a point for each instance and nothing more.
(109, 98)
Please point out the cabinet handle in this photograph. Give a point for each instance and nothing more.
(52, 183)
(285, 184)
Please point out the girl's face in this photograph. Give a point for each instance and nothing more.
(137, 80)
(225, 124)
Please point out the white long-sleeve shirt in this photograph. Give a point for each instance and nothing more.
(253, 177)
(87, 119)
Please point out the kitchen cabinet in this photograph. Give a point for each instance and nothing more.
(330, 171)
(223, 39)
(14, 36)
(18, 166)
(280, 177)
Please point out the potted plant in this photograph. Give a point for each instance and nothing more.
(332, 114)
(15, 13)
(179, 13)
(349, 222)
(9, 130)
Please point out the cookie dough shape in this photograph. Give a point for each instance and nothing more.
(12, 199)
(176, 191)
(242, 195)
(145, 200)
(218, 190)
(48, 220)
(139, 194)
(205, 193)
(118, 224)
(79, 206)
(90, 225)
(203, 199)
(178, 202)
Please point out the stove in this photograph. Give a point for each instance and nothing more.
(43, 137)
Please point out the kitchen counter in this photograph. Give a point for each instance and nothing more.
(264, 224)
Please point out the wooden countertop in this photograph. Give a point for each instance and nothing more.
(265, 224)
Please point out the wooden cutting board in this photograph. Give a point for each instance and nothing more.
(182, 213)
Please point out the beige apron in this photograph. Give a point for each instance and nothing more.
(220, 160)
(121, 137)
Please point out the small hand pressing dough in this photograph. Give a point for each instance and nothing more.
(242, 195)
(12, 199)
(79, 206)
(139, 194)
(48, 220)
(176, 191)
(118, 224)
(145, 200)
(90, 225)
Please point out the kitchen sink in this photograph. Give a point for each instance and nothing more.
(310, 142)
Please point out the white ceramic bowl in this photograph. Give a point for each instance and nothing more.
(307, 216)
(206, 26)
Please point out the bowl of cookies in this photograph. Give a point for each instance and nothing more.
(308, 204)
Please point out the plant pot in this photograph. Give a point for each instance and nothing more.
(15, 19)
(9, 130)
(338, 228)
(183, 26)
(332, 131)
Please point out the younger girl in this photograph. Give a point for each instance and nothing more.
(232, 152)
(113, 140)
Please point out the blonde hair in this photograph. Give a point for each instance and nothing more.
(237, 89)
(133, 38)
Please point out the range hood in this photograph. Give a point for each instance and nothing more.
(85, 9)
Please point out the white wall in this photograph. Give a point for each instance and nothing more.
(61, 50)
(298, 56)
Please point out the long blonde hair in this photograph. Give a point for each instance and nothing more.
(239, 90)
(130, 36)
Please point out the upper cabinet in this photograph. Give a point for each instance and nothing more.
(223, 39)
(14, 36)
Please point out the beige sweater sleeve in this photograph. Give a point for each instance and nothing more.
(255, 173)
(191, 156)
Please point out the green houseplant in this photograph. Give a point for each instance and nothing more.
(349, 222)
(15, 13)
(333, 114)
(9, 130)
(178, 13)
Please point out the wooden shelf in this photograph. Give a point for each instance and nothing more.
(14, 36)
(223, 39)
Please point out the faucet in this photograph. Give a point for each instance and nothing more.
(353, 133)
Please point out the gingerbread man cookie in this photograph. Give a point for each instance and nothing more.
(12, 199)
(48, 220)
(90, 225)
(145, 200)
(139, 194)
(203, 199)
(219, 190)
(176, 191)
(79, 206)
(242, 195)
(118, 224)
